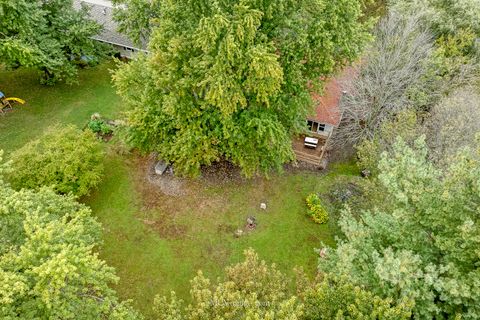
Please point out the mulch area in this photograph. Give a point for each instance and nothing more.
(217, 174)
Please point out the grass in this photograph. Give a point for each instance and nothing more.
(151, 259)
(46, 106)
(157, 242)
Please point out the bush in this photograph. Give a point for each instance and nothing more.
(65, 158)
(316, 210)
(369, 151)
(99, 126)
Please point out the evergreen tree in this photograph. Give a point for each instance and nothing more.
(423, 242)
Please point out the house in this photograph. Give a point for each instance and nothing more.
(101, 11)
(311, 146)
(327, 113)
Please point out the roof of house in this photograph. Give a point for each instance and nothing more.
(327, 109)
(101, 11)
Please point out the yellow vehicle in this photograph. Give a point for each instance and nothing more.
(6, 103)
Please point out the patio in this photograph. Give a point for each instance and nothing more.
(309, 155)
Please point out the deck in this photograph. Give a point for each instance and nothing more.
(308, 155)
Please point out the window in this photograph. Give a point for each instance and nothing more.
(316, 127)
(310, 125)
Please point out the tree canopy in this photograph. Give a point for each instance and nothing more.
(392, 66)
(48, 35)
(453, 124)
(48, 267)
(136, 18)
(444, 16)
(422, 242)
(232, 79)
(65, 158)
(254, 290)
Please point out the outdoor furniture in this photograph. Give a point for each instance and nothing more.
(311, 143)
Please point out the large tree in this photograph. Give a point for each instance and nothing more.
(422, 242)
(232, 79)
(48, 265)
(136, 18)
(48, 35)
(444, 16)
(395, 62)
(254, 290)
(453, 124)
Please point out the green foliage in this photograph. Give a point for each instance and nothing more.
(444, 16)
(251, 290)
(99, 126)
(453, 64)
(48, 268)
(65, 158)
(336, 298)
(423, 242)
(136, 18)
(316, 210)
(369, 151)
(229, 79)
(48, 35)
(375, 8)
(453, 124)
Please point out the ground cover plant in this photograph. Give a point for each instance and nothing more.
(147, 234)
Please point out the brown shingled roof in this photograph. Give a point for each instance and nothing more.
(327, 108)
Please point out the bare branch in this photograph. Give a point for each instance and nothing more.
(395, 62)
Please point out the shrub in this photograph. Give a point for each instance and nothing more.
(316, 210)
(99, 126)
(65, 158)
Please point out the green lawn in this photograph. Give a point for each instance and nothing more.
(157, 242)
(47, 106)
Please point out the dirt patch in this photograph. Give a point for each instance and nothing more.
(167, 229)
(314, 239)
(167, 183)
(220, 173)
(158, 191)
(165, 199)
(165, 225)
